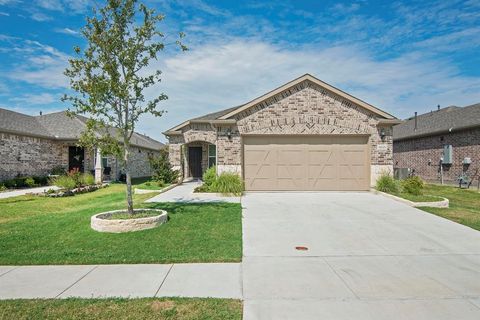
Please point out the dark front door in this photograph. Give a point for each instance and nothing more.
(76, 156)
(195, 161)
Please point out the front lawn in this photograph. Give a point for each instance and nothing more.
(162, 309)
(43, 230)
(464, 204)
(148, 184)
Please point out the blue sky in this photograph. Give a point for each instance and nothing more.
(402, 56)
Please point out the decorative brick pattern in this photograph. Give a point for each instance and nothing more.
(303, 109)
(423, 154)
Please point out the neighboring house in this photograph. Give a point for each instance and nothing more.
(34, 145)
(445, 141)
(304, 135)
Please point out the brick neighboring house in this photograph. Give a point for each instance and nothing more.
(34, 145)
(304, 135)
(422, 146)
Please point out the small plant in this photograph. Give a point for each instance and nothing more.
(87, 179)
(386, 183)
(209, 177)
(160, 183)
(2, 187)
(65, 182)
(58, 170)
(228, 183)
(413, 185)
(30, 182)
(148, 183)
(76, 176)
(162, 170)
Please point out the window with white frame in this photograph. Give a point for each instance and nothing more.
(212, 155)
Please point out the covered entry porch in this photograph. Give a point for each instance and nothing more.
(198, 156)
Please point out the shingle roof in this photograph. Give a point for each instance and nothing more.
(60, 126)
(435, 122)
(216, 115)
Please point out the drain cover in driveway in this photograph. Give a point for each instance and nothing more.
(301, 248)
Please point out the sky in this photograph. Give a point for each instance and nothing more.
(400, 56)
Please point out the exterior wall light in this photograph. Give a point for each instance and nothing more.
(382, 134)
(229, 134)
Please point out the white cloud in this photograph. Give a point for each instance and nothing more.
(43, 65)
(214, 77)
(41, 17)
(4, 14)
(50, 4)
(37, 99)
(67, 31)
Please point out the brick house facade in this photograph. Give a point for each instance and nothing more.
(422, 149)
(304, 107)
(33, 146)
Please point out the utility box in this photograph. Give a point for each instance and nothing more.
(447, 154)
(401, 173)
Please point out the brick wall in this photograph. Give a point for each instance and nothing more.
(423, 154)
(303, 109)
(28, 156)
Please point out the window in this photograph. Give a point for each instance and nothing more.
(105, 162)
(212, 155)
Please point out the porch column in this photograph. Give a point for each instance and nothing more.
(98, 167)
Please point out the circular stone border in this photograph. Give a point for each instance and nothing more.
(99, 222)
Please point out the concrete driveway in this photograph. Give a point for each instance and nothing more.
(369, 257)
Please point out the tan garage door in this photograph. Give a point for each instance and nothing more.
(306, 163)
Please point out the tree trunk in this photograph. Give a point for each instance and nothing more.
(129, 182)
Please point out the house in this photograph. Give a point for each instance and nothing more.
(304, 135)
(442, 143)
(34, 145)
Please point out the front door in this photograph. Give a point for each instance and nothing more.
(76, 156)
(195, 161)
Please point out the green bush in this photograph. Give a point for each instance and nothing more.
(162, 170)
(2, 187)
(209, 177)
(386, 183)
(228, 183)
(87, 179)
(58, 170)
(413, 185)
(160, 183)
(65, 182)
(30, 182)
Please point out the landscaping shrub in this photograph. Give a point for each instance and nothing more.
(2, 187)
(58, 170)
(162, 170)
(87, 179)
(413, 185)
(209, 177)
(30, 182)
(76, 175)
(386, 183)
(65, 182)
(228, 183)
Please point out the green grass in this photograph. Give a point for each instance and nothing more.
(147, 184)
(464, 204)
(99, 309)
(417, 198)
(44, 230)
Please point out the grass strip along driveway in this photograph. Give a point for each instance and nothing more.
(169, 308)
(464, 204)
(44, 230)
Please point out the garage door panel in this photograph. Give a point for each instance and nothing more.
(306, 163)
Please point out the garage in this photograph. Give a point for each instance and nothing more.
(306, 163)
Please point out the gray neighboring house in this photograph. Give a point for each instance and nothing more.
(442, 141)
(304, 135)
(34, 145)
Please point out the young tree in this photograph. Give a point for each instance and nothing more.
(111, 74)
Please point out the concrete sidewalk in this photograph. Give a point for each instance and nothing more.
(22, 192)
(184, 193)
(219, 280)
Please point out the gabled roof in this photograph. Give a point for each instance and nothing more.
(227, 114)
(58, 126)
(440, 121)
